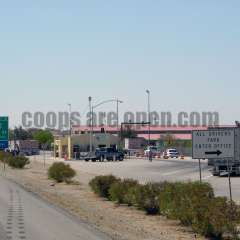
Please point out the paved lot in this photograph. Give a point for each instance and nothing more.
(158, 170)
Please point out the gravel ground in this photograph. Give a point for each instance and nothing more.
(119, 222)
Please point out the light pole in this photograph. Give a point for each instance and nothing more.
(97, 105)
(108, 101)
(118, 101)
(70, 119)
(149, 123)
(70, 132)
(91, 123)
(149, 120)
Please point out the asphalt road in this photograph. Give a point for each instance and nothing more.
(25, 216)
(159, 170)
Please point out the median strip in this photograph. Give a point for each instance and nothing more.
(192, 203)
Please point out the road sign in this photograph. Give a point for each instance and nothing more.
(3, 132)
(3, 145)
(214, 143)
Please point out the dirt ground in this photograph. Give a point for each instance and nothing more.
(119, 222)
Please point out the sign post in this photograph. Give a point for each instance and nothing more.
(4, 136)
(229, 181)
(200, 169)
(214, 143)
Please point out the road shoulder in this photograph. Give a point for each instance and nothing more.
(119, 222)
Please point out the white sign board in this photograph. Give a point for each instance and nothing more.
(214, 143)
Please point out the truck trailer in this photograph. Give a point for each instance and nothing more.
(220, 167)
(25, 147)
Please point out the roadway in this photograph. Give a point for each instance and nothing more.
(25, 216)
(159, 170)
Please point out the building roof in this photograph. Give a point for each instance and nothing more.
(139, 128)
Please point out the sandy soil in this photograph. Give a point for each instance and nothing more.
(119, 222)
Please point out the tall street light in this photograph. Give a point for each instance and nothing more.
(97, 105)
(70, 131)
(70, 119)
(149, 118)
(118, 101)
(108, 101)
(91, 123)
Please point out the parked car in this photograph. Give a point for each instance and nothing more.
(171, 153)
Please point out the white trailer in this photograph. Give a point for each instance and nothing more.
(221, 166)
(26, 147)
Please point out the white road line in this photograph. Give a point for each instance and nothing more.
(207, 177)
(171, 173)
(180, 170)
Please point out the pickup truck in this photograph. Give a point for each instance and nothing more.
(110, 154)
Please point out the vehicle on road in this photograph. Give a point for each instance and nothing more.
(108, 153)
(24, 147)
(171, 153)
(154, 151)
(220, 166)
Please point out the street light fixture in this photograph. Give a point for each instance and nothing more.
(91, 114)
(91, 123)
(149, 120)
(149, 123)
(70, 119)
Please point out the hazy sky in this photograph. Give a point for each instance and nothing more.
(186, 52)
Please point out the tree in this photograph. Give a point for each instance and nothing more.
(18, 133)
(169, 140)
(128, 132)
(44, 137)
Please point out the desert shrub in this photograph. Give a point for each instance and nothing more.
(5, 156)
(170, 199)
(61, 172)
(101, 185)
(185, 201)
(221, 217)
(130, 197)
(148, 197)
(193, 201)
(120, 191)
(17, 161)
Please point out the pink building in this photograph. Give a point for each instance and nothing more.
(182, 133)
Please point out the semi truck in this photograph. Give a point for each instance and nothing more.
(25, 147)
(220, 166)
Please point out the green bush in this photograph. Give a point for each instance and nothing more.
(221, 217)
(4, 156)
(185, 201)
(193, 203)
(17, 161)
(61, 172)
(147, 197)
(131, 196)
(101, 185)
(120, 191)
(170, 199)
(194, 200)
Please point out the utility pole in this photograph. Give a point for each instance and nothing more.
(70, 119)
(118, 101)
(91, 123)
(149, 120)
(149, 124)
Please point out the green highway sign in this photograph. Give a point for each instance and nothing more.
(3, 132)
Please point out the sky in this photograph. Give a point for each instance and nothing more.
(187, 53)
